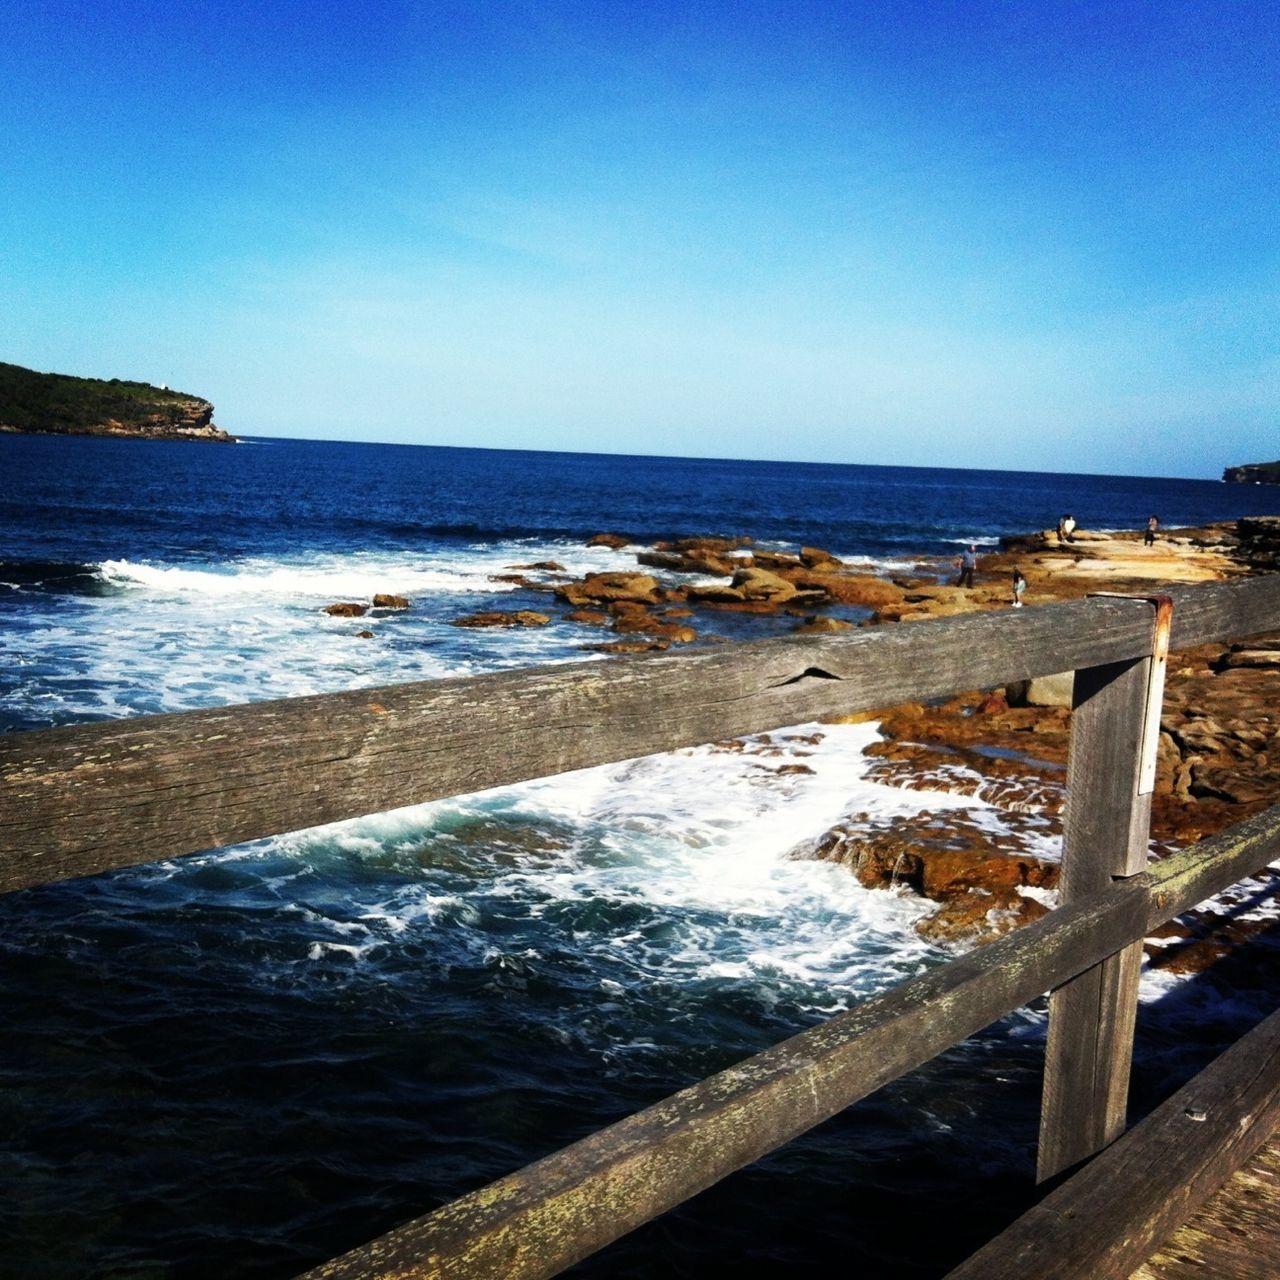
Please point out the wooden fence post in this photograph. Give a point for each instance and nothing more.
(1110, 777)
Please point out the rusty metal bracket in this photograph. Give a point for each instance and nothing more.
(1163, 606)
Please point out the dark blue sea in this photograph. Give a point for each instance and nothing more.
(241, 1062)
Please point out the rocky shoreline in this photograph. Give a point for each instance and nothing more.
(56, 404)
(1219, 758)
(159, 430)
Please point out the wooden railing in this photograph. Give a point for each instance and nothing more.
(85, 799)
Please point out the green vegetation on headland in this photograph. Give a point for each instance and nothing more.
(56, 404)
(1253, 473)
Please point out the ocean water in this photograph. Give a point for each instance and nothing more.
(241, 1062)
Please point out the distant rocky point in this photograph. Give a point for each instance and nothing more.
(1253, 473)
(56, 404)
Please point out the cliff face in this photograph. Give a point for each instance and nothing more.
(56, 404)
(1253, 473)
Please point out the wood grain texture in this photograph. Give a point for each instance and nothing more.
(1088, 1057)
(88, 798)
(543, 1218)
(1236, 1236)
(1106, 1220)
(1105, 834)
(1105, 822)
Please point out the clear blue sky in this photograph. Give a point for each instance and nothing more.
(1041, 235)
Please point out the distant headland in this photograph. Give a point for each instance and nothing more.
(1253, 473)
(34, 403)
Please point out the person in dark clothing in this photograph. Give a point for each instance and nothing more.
(1149, 537)
(967, 563)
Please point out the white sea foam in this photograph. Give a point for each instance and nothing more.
(686, 853)
(173, 637)
(359, 575)
(698, 843)
(885, 565)
(316, 581)
(693, 845)
(699, 840)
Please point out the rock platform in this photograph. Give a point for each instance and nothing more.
(1219, 756)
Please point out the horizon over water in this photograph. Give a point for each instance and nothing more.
(625, 456)
(241, 1062)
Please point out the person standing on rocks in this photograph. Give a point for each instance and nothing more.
(967, 563)
(1019, 586)
(1067, 528)
(1149, 537)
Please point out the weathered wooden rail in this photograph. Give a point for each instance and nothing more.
(89, 798)
(1107, 1220)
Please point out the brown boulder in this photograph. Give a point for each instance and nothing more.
(898, 613)
(715, 595)
(1035, 736)
(816, 558)
(936, 855)
(776, 560)
(695, 560)
(598, 588)
(760, 584)
(592, 617)
(381, 601)
(809, 599)
(715, 566)
(949, 872)
(979, 916)
(346, 610)
(549, 566)
(672, 561)
(951, 859)
(705, 544)
(500, 618)
(646, 624)
(614, 540)
(855, 588)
